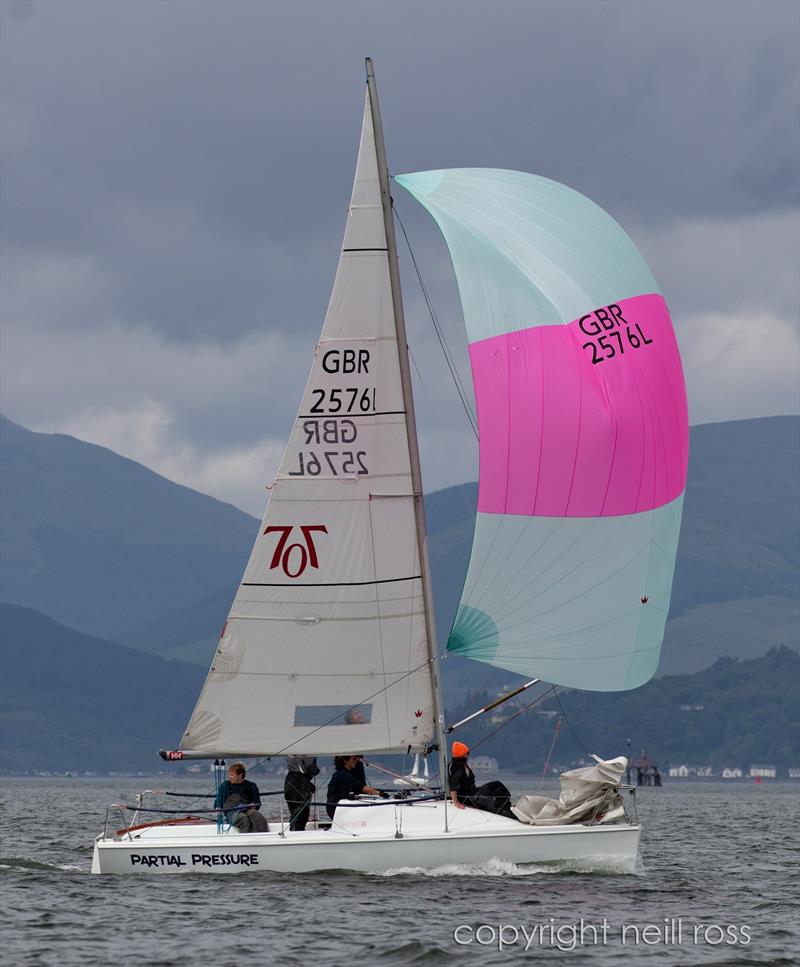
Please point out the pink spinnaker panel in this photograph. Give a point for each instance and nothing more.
(582, 423)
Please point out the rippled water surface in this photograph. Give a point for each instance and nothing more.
(713, 856)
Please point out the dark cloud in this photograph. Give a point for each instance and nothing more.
(182, 169)
(181, 141)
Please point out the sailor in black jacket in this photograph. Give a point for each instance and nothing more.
(299, 789)
(493, 797)
(344, 783)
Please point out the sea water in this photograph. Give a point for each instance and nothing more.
(717, 883)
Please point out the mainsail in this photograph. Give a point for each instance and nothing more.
(325, 649)
(583, 431)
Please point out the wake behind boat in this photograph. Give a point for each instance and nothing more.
(330, 643)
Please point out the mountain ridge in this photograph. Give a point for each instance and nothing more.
(70, 700)
(98, 541)
(105, 546)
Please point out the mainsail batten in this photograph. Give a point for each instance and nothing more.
(583, 431)
(325, 649)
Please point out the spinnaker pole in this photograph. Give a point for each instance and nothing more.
(491, 705)
(411, 425)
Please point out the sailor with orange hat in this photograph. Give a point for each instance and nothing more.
(461, 777)
(494, 797)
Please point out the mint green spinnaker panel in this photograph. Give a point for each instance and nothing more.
(583, 431)
(527, 251)
(564, 596)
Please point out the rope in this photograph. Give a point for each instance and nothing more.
(396, 775)
(550, 753)
(231, 809)
(387, 801)
(210, 795)
(508, 721)
(586, 752)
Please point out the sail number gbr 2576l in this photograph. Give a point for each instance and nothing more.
(611, 334)
(349, 399)
(331, 424)
(323, 433)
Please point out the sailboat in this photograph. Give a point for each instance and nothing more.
(330, 644)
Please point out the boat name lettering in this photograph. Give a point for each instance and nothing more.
(337, 462)
(139, 859)
(225, 859)
(345, 361)
(348, 399)
(283, 550)
(611, 332)
(198, 859)
(330, 431)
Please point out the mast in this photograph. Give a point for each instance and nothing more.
(411, 425)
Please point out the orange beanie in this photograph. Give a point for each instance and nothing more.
(460, 751)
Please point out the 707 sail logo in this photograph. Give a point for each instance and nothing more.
(307, 552)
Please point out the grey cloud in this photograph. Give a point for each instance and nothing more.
(178, 173)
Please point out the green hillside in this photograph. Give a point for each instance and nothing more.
(735, 713)
(69, 701)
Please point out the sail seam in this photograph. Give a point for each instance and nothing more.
(332, 584)
(318, 619)
(349, 675)
(349, 416)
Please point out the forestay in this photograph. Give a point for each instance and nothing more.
(325, 647)
(583, 431)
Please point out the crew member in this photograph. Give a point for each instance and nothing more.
(239, 791)
(492, 797)
(299, 789)
(344, 784)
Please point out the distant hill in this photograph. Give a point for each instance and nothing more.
(103, 544)
(738, 570)
(108, 547)
(735, 713)
(737, 580)
(69, 701)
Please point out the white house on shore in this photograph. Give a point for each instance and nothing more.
(684, 771)
(763, 772)
(678, 772)
(484, 765)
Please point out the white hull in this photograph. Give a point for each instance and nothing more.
(367, 840)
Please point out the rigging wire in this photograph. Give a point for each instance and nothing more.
(331, 720)
(508, 721)
(439, 333)
(550, 753)
(553, 690)
(586, 752)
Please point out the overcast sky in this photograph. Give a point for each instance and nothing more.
(176, 176)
